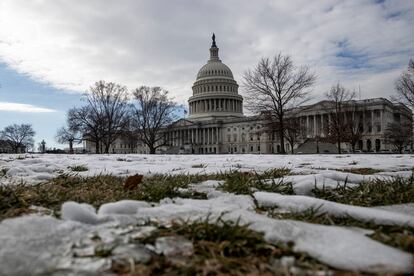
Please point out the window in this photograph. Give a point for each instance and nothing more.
(258, 137)
(251, 148)
(235, 137)
(251, 137)
(378, 128)
(228, 137)
(258, 148)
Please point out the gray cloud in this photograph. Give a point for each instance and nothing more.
(71, 44)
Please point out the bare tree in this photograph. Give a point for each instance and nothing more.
(354, 125)
(19, 136)
(104, 118)
(405, 85)
(294, 131)
(337, 131)
(70, 136)
(154, 111)
(400, 135)
(88, 124)
(275, 85)
(110, 102)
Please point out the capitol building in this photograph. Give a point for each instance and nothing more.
(216, 123)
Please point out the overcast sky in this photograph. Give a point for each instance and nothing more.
(51, 51)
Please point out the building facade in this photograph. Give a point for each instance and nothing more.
(216, 123)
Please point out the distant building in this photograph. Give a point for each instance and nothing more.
(216, 124)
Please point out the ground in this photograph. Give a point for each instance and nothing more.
(206, 214)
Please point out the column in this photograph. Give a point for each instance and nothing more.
(314, 126)
(382, 121)
(322, 129)
(307, 126)
(372, 121)
(214, 135)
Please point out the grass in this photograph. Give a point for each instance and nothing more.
(222, 247)
(3, 172)
(78, 168)
(199, 166)
(247, 183)
(378, 192)
(363, 171)
(97, 190)
(401, 237)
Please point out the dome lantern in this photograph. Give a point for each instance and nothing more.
(214, 50)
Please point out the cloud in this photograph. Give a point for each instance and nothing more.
(72, 44)
(19, 107)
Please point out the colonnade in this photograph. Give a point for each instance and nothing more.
(194, 136)
(316, 124)
(210, 105)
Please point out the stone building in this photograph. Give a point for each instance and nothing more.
(216, 123)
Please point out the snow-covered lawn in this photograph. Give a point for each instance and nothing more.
(41, 243)
(38, 168)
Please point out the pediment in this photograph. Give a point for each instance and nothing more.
(182, 123)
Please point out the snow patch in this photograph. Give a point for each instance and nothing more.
(122, 207)
(299, 204)
(80, 212)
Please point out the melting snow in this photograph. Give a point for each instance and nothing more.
(41, 244)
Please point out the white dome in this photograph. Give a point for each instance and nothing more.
(213, 69)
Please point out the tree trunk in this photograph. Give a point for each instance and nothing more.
(338, 141)
(317, 145)
(152, 150)
(282, 136)
(70, 147)
(107, 148)
(97, 147)
(291, 146)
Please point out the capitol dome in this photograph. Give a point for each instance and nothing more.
(214, 69)
(215, 92)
